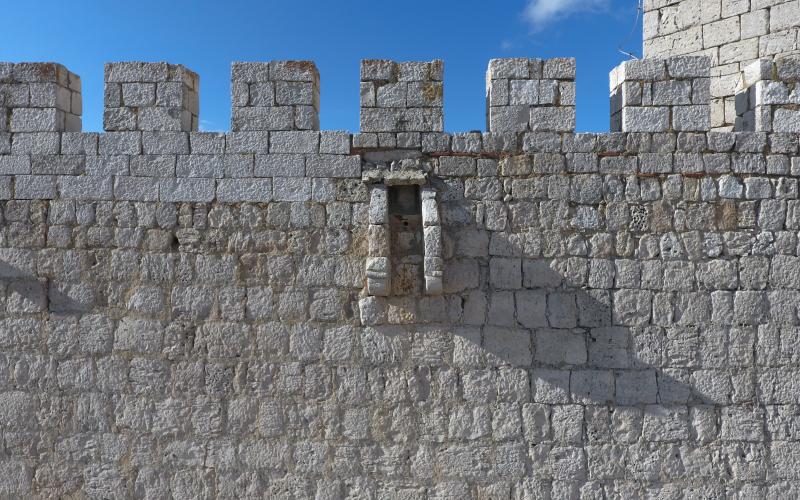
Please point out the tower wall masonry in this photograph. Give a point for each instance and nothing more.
(732, 33)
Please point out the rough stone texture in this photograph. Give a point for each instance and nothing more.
(187, 314)
(39, 97)
(771, 96)
(732, 33)
(401, 97)
(150, 96)
(660, 95)
(530, 94)
(275, 95)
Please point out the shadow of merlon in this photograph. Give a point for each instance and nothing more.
(573, 344)
(27, 292)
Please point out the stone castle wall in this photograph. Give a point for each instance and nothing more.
(732, 33)
(280, 312)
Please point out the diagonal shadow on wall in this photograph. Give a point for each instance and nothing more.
(630, 347)
(590, 346)
(27, 292)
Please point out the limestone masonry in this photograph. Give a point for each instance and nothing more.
(404, 313)
(732, 33)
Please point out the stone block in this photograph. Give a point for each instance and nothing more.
(636, 387)
(37, 119)
(509, 68)
(641, 69)
(291, 189)
(244, 190)
(559, 347)
(690, 118)
(247, 142)
(34, 187)
(186, 190)
(559, 68)
(294, 142)
(508, 118)
(333, 166)
(86, 187)
(121, 143)
(556, 119)
(16, 164)
(645, 119)
(505, 273)
(786, 120)
(200, 166)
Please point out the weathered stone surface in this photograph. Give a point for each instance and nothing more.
(743, 38)
(527, 314)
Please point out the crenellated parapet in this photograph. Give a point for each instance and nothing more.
(401, 103)
(39, 97)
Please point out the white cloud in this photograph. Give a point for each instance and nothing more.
(206, 125)
(540, 13)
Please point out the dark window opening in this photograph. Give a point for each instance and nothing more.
(408, 249)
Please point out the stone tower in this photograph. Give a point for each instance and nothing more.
(733, 33)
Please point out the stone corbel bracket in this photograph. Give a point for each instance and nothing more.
(378, 267)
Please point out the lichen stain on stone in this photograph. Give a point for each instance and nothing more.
(726, 215)
(302, 65)
(432, 91)
(46, 71)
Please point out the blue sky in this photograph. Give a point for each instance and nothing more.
(207, 36)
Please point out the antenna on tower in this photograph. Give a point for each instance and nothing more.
(639, 11)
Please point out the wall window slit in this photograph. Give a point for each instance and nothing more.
(407, 243)
(405, 240)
